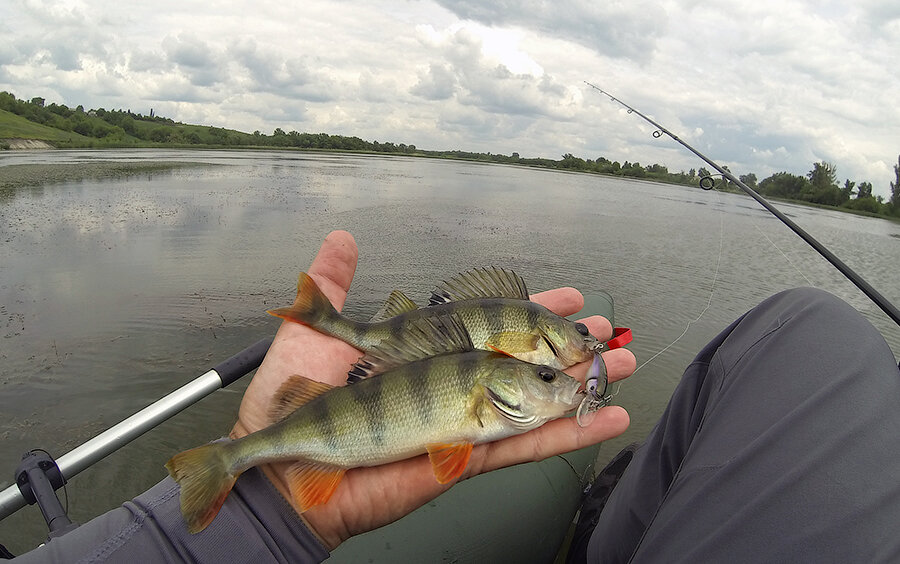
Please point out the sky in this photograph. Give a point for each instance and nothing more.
(762, 87)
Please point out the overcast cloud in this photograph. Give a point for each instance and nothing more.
(761, 86)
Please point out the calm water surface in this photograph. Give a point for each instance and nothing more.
(113, 293)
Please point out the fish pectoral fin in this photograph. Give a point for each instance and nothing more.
(313, 483)
(296, 391)
(449, 460)
(512, 342)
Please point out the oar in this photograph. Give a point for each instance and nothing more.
(81, 457)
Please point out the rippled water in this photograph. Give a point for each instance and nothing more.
(115, 292)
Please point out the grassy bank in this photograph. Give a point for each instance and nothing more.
(14, 126)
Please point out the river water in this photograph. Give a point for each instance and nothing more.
(114, 292)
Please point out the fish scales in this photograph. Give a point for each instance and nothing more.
(509, 323)
(381, 418)
(442, 404)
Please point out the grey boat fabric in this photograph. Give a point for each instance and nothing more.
(781, 443)
(255, 524)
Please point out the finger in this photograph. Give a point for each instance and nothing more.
(552, 438)
(371, 497)
(599, 326)
(334, 266)
(561, 301)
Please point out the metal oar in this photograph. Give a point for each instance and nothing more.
(81, 457)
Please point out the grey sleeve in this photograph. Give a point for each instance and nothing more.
(781, 443)
(255, 524)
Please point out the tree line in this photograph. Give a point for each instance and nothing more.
(118, 128)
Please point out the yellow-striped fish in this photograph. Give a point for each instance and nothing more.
(492, 303)
(442, 405)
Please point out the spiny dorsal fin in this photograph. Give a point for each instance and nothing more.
(296, 391)
(490, 282)
(422, 338)
(396, 304)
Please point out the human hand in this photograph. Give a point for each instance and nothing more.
(368, 498)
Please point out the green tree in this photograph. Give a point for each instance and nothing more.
(159, 134)
(784, 185)
(823, 188)
(894, 203)
(749, 179)
(864, 191)
(847, 190)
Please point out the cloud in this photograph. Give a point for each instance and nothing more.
(770, 85)
(269, 71)
(617, 28)
(437, 83)
(195, 58)
(464, 72)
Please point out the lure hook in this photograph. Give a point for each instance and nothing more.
(594, 396)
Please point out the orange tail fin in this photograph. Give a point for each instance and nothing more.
(205, 482)
(310, 307)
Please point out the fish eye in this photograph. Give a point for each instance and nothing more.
(582, 328)
(547, 374)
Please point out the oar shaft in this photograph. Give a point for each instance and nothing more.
(119, 435)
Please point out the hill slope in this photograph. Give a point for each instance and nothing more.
(13, 126)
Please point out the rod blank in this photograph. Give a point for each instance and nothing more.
(886, 306)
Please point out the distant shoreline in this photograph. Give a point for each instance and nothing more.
(30, 175)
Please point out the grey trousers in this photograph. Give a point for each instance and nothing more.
(781, 443)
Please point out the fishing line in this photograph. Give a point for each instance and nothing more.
(787, 258)
(707, 183)
(712, 290)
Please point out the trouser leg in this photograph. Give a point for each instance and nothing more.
(781, 443)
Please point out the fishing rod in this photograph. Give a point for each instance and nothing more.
(31, 485)
(707, 183)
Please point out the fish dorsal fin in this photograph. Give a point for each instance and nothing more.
(449, 460)
(296, 391)
(422, 338)
(396, 304)
(490, 282)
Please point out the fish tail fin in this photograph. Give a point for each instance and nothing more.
(205, 482)
(311, 307)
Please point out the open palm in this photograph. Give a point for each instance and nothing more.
(368, 498)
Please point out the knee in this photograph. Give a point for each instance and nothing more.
(806, 296)
(817, 307)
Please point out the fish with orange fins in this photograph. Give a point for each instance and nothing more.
(442, 405)
(492, 303)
